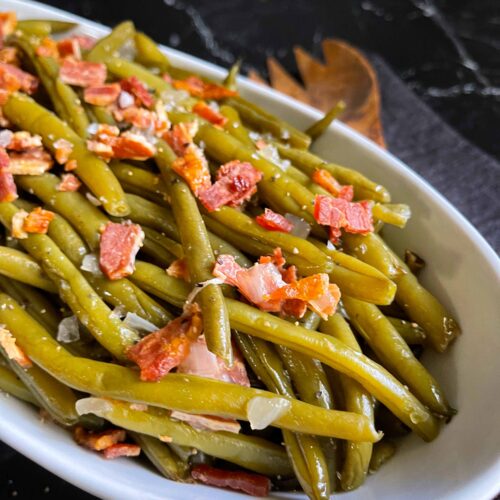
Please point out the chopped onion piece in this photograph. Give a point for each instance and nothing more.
(125, 99)
(134, 321)
(271, 154)
(5, 138)
(262, 411)
(330, 245)
(68, 330)
(90, 263)
(118, 312)
(93, 199)
(93, 128)
(97, 406)
(199, 287)
(301, 228)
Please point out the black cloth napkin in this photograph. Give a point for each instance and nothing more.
(468, 177)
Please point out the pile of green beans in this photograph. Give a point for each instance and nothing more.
(337, 376)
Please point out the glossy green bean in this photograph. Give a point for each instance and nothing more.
(181, 392)
(412, 333)
(234, 126)
(317, 128)
(110, 45)
(149, 54)
(382, 452)
(232, 75)
(397, 214)
(12, 385)
(395, 354)
(21, 267)
(139, 178)
(153, 248)
(25, 113)
(44, 27)
(77, 118)
(100, 114)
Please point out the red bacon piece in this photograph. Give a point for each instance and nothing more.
(73, 45)
(9, 55)
(134, 86)
(178, 269)
(181, 136)
(252, 484)
(8, 190)
(119, 246)
(98, 441)
(63, 149)
(132, 146)
(69, 183)
(34, 161)
(121, 450)
(47, 48)
(193, 168)
(161, 351)
(82, 73)
(236, 183)
(20, 141)
(203, 90)
(8, 23)
(327, 181)
(16, 78)
(202, 109)
(273, 222)
(38, 220)
(102, 95)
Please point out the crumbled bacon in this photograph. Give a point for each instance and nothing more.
(8, 84)
(236, 183)
(98, 441)
(132, 147)
(327, 181)
(8, 23)
(138, 117)
(20, 141)
(353, 217)
(121, 450)
(252, 484)
(70, 165)
(100, 148)
(163, 350)
(74, 45)
(82, 73)
(203, 90)
(119, 246)
(9, 55)
(179, 269)
(202, 109)
(274, 222)
(34, 161)
(69, 182)
(181, 136)
(18, 78)
(8, 190)
(193, 168)
(47, 48)
(102, 95)
(38, 221)
(134, 86)
(63, 150)
(13, 351)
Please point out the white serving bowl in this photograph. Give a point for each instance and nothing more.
(462, 270)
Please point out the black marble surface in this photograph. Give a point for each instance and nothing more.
(446, 51)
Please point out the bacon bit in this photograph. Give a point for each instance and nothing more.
(104, 132)
(261, 144)
(20, 141)
(35, 161)
(69, 183)
(121, 450)
(202, 109)
(276, 258)
(13, 351)
(193, 168)
(236, 183)
(179, 269)
(203, 90)
(98, 441)
(327, 181)
(63, 150)
(252, 484)
(99, 148)
(294, 307)
(17, 224)
(353, 217)
(8, 23)
(69, 47)
(38, 221)
(133, 86)
(82, 73)
(181, 136)
(119, 246)
(139, 117)
(9, 55)
(167, 78)
(132, 147)
(273, 222)
(102, 95)
(8, 190)
(26, 82)
(207, 422)
(47, 48)
(70, 165)
(161, 351)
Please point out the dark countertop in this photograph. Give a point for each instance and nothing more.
(447, 52)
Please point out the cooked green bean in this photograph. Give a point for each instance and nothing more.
(139, 178)
(40, 27)
(148, 53)
(412, 333)
(25, 113)
(109, 46)
(396, 214)
(19, 266)
(11, 384)
(317, 128)
(382, 452)
(232, 75)
(181, 392)
(234, 126)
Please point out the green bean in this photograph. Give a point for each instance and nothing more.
(265, 122)
(181, 392)
(418, 303)
(319, 127)
(247, 235)
(414, 262)
(310, 320)
(356, 399)
(109, 45)
(25, 113)
(148, 53)
(100, 114)
(162, 457)
(198, 255)
(154, 249)
(305, 452)
(75, 290)
(412, 333)
(396, 214)
(309, 163)
(76, 116)
(234, 126)
(53, 396)
(232, 75)
(382, 452)
(21, 267)
(11, 384)
(222, 247)
(44, 27)
(395, 354)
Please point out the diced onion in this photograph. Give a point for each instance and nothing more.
(301, 228)
(125, 99)
(118, 312)
(199, 287)
(68, 330)
(262, 411)
(93, 199)
(93, 128)
(90, 263)
(271, 154)
(5, 138)
(97, 406)
(134, 321)
(330, 245)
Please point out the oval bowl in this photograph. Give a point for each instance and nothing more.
(462, 270)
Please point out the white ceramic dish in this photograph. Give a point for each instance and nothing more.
(463, 271)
